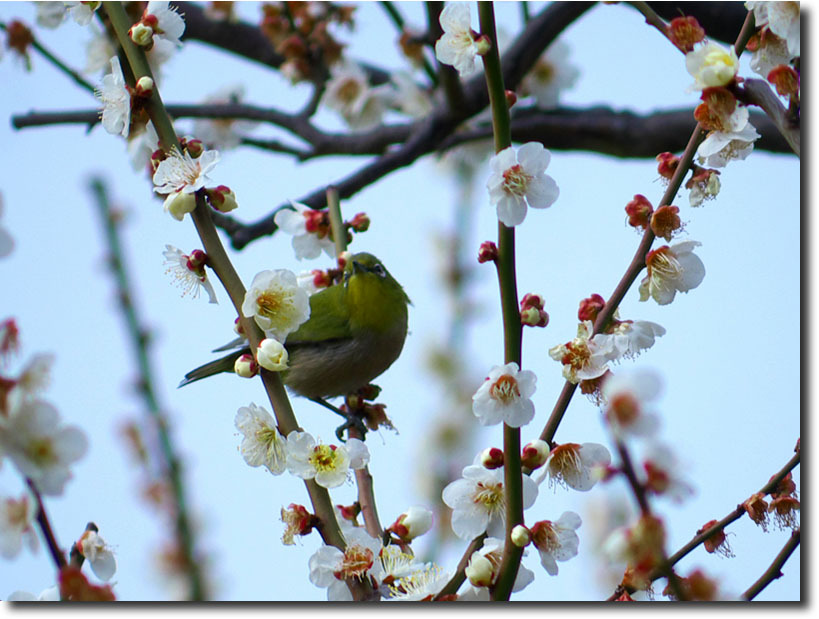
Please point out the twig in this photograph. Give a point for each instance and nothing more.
(460, 571)
(45, 526)
(775, 570)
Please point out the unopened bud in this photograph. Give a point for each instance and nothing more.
(360, 223)
(221, 198)
(786, 80)
(511, 98)
(533, 317)
(179, 203)
(520, 536)
(272, 355)
(142, 34)
(639, 211)
(666, 221)
(534, 454)
(144, 87)
(197, 259)
(343, 259)
(416, 521)
(479, 570)
(488, 252)
(531, 300)
(483, 45)
(492, 458)
(245, 366)
(195, 148)
(590, 307)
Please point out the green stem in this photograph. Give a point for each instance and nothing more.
(513, 481)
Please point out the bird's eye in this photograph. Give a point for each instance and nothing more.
(379, 270)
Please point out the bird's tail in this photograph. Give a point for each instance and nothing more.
(223, 364)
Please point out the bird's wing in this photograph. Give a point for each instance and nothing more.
(329, 318)
(239, 342)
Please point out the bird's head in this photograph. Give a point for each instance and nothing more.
(374, 295)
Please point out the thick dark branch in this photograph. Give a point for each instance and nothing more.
(758, 92)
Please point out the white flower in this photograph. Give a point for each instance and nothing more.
(664, 474)
(170, 25)
(518, 179)
(671, 268)
(329, 567)
(262, 444)
(556, 541)
(505, 396)
(711, 65)
(182, 173)
(782, 19)
(482, 572)
(272, 355)
(349, 93)
(395, 564)
(551, 74)
(576, 466)
(141, 146)
(277, 303)
(457, 46)
(771, 53)
(408, 97)
(223, 133)
(99, 555)
(309, 230)
(50, 14)
(421, 584)
(720, 147)
(116, 101)
(188, 272)
(703, 186)
(329, 465)
(477, 501)
(82, 12)
(584, 357)
(40, 446)
(629, 396)
(6, 240)
(631, 337)
(17, 525)
(52, 594)
(98, 50)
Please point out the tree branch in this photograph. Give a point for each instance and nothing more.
(775, 570)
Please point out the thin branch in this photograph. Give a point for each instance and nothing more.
(460, 571)
(775, 570)
(45, 527)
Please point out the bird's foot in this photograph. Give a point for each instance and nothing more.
(352, 420)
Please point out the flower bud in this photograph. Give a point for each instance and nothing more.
(141, 34)
(179, 203)
(639, 211)
(488, 251)
(666, 221)
(272, 355)
(416, 521)
(360, 223)
(483, 45)
(590, 307)
(492, 458)
(343, 259)
(533, 317)
(194, 147)
(511, 98)
(531, 300)
(144, 87)
(534, 454)
(221, 198)
(479, 570)
(521, 536)
(245, 366)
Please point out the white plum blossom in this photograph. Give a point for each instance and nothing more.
(277, 303)
(329, 465)
(771, 53)
(180, 172)
(711, 64)
(585, 357)
(556, 541)
(482, 572)
(17, 525)
(782, 18)
(188, 272)
(457, 47)
(141, 146)
(477, 501)
(505, 396)
(170, 25)
(116, 101)
(6, 240)
(310, 235)
(272, 355)
(223, 133)
(664, 473)
(395, 564)
(671, 269)
(720, 147)
(630, 337)
(551, 74)
(39, 445)
(629, 397)
(576, 466)
(419, 585)
(262, 444)
(349, 93)
(50, 14)
(330, 567)
(99, 555)
(518, 179)
(98, 50)
(408, 97)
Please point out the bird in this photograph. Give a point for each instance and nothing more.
(356, 330)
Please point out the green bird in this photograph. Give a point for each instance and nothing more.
(356, 331)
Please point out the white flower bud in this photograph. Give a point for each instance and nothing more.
(142, 34)
(271, 355)
(178, 203)
(416, 521)
(521, 536)
(535, 454)
(245, 366)
(492, 458)
(479, 570)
